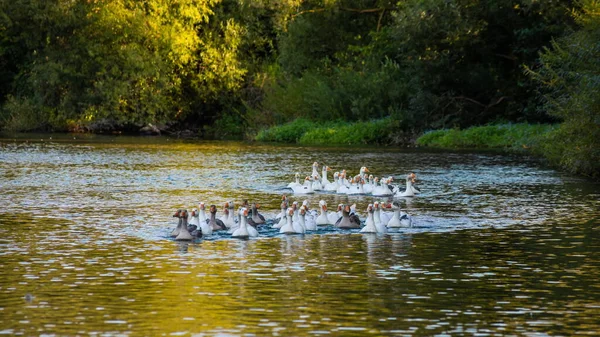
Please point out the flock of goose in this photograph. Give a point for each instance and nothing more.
(362, 183)
(296, 218)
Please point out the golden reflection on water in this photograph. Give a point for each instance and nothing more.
(84, 247)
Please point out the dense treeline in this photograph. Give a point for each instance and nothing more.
(227, 68)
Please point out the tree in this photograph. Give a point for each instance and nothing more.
(113, 63)
(569, 75)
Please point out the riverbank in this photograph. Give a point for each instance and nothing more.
(541, 140)
(384, 131)
(387, 132)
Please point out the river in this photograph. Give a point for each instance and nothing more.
(501, 244)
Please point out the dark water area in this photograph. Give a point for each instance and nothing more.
(501, 244)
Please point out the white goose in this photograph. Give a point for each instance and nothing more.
(343, 180)
(282, 213)
(289, 227)
(315, 173)
(282, 218)
(195, 218)
(368, 186)
(323, 219)
(306, 188)
(296, 182)
(383, 215)
(332, 216)
(339, 211)
(370, 223)
(307, 220)
(296, 211)
(410, 190)
(399, 219)
(363, 172)
(342, 187)
(333, 186)
(324, 181)
(231, 218)
(356, 186)
(382, 190)
(376, 215)
(202, 212)
(315, 178)
(204, 226)
(243, 230)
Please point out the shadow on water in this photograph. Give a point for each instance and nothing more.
(501, 245)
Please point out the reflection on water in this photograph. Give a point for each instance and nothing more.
(502, 246)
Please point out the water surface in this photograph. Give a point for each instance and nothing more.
(501, 245)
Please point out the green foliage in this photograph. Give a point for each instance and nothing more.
(227, 126)
(360, 133)
(122, 61)
(330, 133)
(428, 64)
(513, 136)
(286, 133)
(21, 115)
(570, 77)
(346, 95)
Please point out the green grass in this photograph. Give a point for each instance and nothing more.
(507, 136)
(371, 132)
(331, 133)
(286, 133)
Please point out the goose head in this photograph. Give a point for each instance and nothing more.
(201, 206)
(177, 213)
(370, 208)
(302, 211)
(213, 209)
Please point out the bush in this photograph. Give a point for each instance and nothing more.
(372, 132)
(513, 136)
(286, 133)
(331, 133)
(569, 77)
(22, 115)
